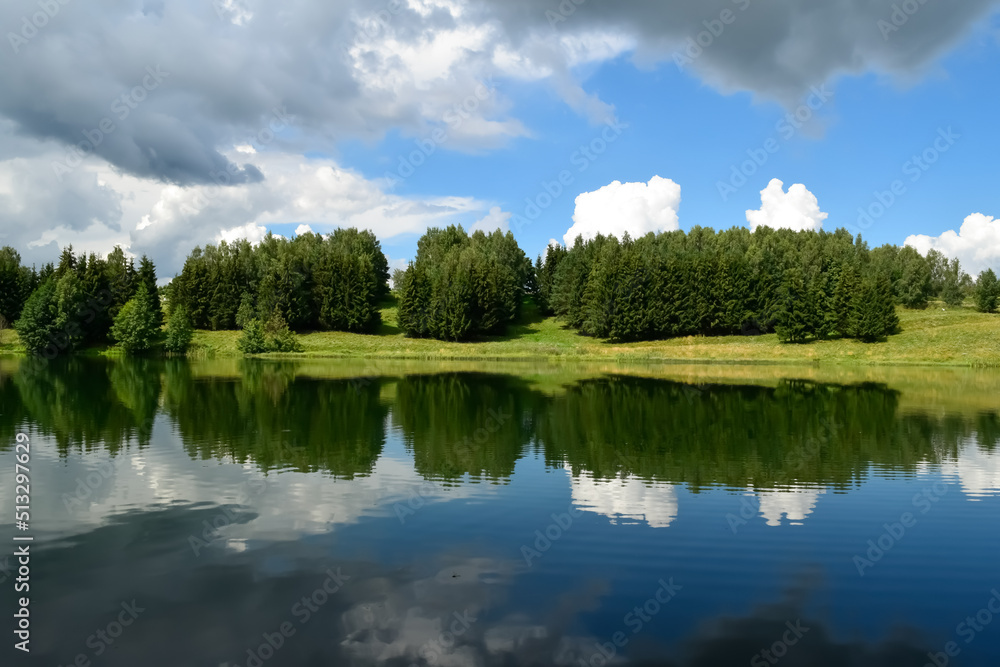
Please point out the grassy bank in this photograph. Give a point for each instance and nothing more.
(935, 336)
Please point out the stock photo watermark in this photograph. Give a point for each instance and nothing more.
(914, 168)
(562, 12)
(786, 128)
(426, 146)
(967, 630)
(227, 516)
(32, 23)
(779, 649)
(302, 611)
(105, 637)
(714, 28)
(584, 156)
(122, 107)
(900, 16)
(546, 537)
(894, 532)
(635, 620)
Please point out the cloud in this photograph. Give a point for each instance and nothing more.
(303, 229)
(625, 500)
(251, 232)
(496, 219)
(792, 504)
(636, 208)
(182, 82)
(797, 209)
(97, 207)
(976, 245)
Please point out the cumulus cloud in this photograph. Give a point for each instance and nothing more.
(976, 245)
(796, 209)
(627, 499)
(97, 207)
(636, 208)
(303, 229)
(496, 219)
(791, 504)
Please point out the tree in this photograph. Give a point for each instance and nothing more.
(952, 283)
(793, 319)
(914, 285)
(135, 328)
(246, 312)
(252, 340)
(37, 325)
(179, 331)
(278, 337)
(874, 315)
(16, 284)
(147, 276)
(987, 292)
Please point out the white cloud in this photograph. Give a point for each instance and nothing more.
(791, 504)
(496, 219)
(250, 231)
(96, 207)
(976, 245)
(626, 499)
(303, 229)
(636, 208)
(797, 209)
(977, 469)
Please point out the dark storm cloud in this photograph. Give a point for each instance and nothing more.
(776, 48)
(66, 68)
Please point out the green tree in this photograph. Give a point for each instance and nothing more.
(914, 286)
(135, 329)
(252, 340)
(147, 276)
(793, 319)
(16, 284)
(37, 325)
(874, 315)
(179, 331)
(278, 337)
(987, 292)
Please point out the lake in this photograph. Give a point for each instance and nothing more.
(247, 513)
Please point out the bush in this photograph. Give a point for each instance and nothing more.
(274, 336)
(135, 327)
(179, 331)
(278, 337)
(252, 339)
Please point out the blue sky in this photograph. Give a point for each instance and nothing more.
(302, 117)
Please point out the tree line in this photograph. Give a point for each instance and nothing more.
(460, 286)
(311, 282)
(800, 285)
(83, 300)
(480, 425)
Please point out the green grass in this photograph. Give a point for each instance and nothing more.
(935, 336)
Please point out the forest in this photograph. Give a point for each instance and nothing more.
(800, 285)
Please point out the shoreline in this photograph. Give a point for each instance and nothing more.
(930, 338)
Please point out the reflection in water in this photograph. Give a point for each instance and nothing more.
(625, 499)
(793, 436)
(977, 469)
(791, 504)
(282, 478)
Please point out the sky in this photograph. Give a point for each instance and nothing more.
(162, 126)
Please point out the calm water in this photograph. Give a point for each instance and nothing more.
(271, 517)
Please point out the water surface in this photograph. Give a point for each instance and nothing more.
(432, 517)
